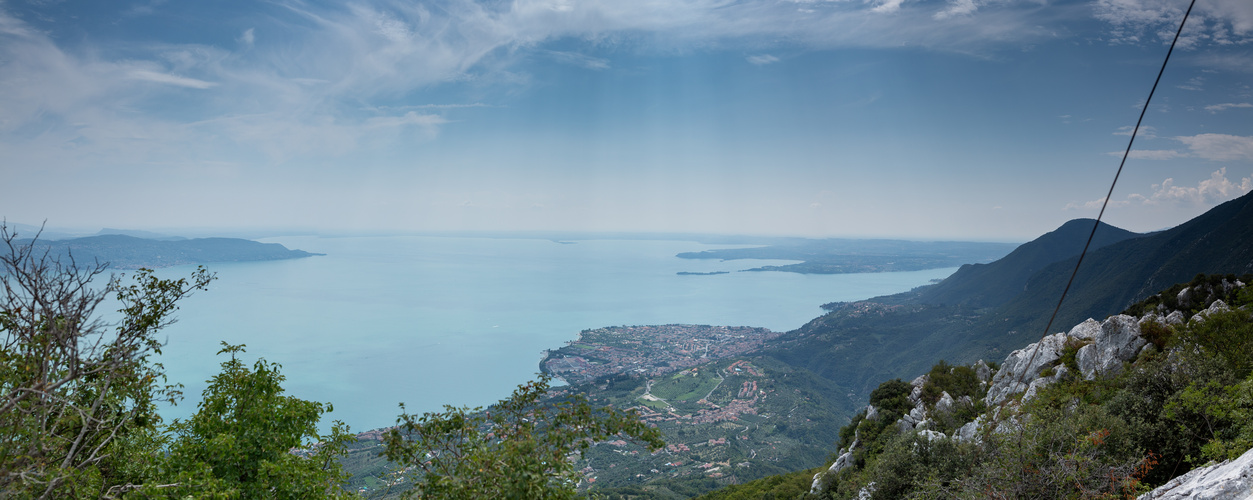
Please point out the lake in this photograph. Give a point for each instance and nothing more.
(462, 321)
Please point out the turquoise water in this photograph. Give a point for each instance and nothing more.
(462, 321)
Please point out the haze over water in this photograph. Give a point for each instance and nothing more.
(441, 320)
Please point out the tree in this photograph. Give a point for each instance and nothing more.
(77, 394)
(522, 447)
(240, 443)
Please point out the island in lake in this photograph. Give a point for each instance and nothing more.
(129, 252)
(690, 273)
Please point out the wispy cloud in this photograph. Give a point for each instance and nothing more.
(249, 37)
(957, 8)
(762, 59)
(577, 59)
(1214, 108)
(1219, 147)
(1150, 154)
(1095, 204)
(1145, 132)
(179, 81)
(1195, 84)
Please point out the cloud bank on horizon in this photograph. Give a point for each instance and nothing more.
(985, 119)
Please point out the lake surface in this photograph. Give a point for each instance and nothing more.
(462, 321)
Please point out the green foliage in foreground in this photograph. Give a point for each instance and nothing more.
(78, 395)
(239, 445)
(519, 448)
(1171, 410)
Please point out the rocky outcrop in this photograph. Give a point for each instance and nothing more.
(1216, 307)
(1023, 366)
(1230, 480)
(1117, 341)
(843, 462)
(1103, 347)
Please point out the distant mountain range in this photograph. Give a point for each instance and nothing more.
(986, 310)
(129, 252)
(847, 256)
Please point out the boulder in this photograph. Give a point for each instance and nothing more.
(1117, 341)
(1040, 382)
(1019, 368)
(1185, 297)
(1230, 480)
(945, 404)
(915, 395)
(983, 371)
(1217, 306)
(968, 432)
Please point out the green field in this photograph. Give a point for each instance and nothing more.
(683, 386)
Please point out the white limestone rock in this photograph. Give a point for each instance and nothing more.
(872, 413)
(1217, 306)
(1088, 330)
(970, 431)
(930, 435)
(915, 395)
(945, 404)
(1059, 371)
(867, 492)
(1174, 318)
(1230, 480)
(844, 461)
(983, 371)
(1118, 340)
(1016, 375)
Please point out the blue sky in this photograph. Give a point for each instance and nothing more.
(928, 119)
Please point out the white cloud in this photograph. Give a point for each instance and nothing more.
(763, 59)
(1214, 22)
(957, 8)
(249, 37)
(1212, 191)
(179, 81)
(1220, 147)
(1214, 108)
(887, 6)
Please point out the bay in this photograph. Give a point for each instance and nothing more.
(431, 320)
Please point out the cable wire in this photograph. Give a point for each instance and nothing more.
(1105, 202)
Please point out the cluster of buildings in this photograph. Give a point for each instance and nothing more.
(649, 350)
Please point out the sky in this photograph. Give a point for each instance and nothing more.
(924, 119)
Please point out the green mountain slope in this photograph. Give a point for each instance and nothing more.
(993, 284)
(861, 344)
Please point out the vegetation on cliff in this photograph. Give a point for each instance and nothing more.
(1186, 400)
